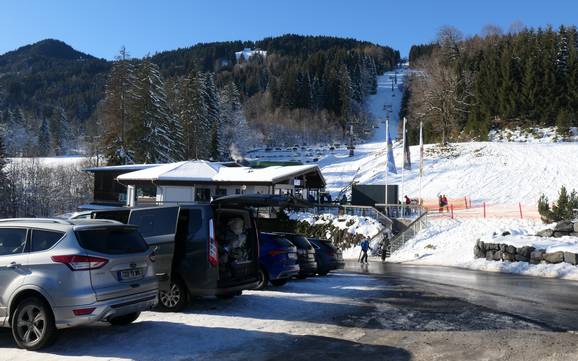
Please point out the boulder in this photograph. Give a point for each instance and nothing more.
(537, 256)
(525, 251)
(503, 247)
(508, 257)
(564, 226)
(511, 249)
(554, 257)
(571, 258)
(520, 258)
(479, 253)
(560, 234)
(506, 233)
(492, 246)
(575, 227)
(481, 245)
(545, 233)
(498, 256)
(490, 255)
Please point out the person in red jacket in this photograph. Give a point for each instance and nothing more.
(445, 202)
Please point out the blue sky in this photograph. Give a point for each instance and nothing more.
(101, 27)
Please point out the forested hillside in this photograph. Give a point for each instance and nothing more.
(463, 88)
(52, 98)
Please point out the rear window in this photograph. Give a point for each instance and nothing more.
(301, 242)
(279, 241)
(120, 216)
(112, 240)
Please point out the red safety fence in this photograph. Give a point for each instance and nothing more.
(466, 208)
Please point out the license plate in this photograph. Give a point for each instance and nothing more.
(130, 274)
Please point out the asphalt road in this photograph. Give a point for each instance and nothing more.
(552, 303)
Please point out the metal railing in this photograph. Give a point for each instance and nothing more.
(412, 229)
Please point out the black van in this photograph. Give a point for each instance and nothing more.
(202, 249)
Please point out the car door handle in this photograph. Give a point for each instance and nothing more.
(13, 265)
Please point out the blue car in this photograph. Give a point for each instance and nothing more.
(277, 260)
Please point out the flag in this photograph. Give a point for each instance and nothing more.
(390, 161)
(406, 153)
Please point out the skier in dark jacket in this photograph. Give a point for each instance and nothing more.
(364, 248)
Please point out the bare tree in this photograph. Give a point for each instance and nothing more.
(450, 40)
(439, 95)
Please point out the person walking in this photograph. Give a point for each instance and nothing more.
(440, 203)
(364, 248)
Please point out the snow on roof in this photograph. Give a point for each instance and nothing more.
(127, 167)
(204, 171)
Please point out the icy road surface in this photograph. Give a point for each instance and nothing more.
(344, 316)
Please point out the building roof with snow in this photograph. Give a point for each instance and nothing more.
(247, 53)
(204, 172)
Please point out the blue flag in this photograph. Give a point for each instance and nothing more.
(390, 161)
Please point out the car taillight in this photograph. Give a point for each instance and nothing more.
(275, 252)
(81, 263)
(213, 254)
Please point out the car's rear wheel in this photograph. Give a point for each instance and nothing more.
(124, 320)
(263, 279)
(33, 324)
(175, 298)
(279, 283)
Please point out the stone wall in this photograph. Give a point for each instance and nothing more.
(505, 252)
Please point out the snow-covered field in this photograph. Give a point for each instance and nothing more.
(451, 243)
(210, 329)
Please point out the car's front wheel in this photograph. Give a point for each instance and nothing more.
(263, 279)
(33, 324)
(175, 298)
(124, 320)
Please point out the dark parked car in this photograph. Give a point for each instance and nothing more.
(328, 256)
(202, 249)
(305, 253)
(278, 260)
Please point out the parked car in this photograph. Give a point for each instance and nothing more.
(305, 253)
(278, 260)
(203, 249)
(57, 273)
(328, 256)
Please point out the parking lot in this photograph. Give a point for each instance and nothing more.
(342, 316)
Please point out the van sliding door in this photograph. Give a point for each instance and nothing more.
(158, 226)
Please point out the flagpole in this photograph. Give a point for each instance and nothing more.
(386, 159)
(420, 160)
(403, 149)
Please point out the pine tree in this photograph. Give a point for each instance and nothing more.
(213, 116)
(5, 184)
(44, 139)
(345, 91)
(236, 134)
(150, 136)
(193, 118)
(116, 117)
(57, 126)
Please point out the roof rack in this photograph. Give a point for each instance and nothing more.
(38, 220)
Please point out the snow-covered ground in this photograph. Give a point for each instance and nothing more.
(218, 330)
(451, 243)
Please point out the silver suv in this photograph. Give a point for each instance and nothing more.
(62, 273)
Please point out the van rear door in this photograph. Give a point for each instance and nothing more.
(158, 226)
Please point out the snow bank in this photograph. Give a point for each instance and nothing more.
(451, 243)
(355, 225)
(531, 135)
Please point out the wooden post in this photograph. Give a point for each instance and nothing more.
(520, 206)
(484, 209)
(452, 208)
(466, 202)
